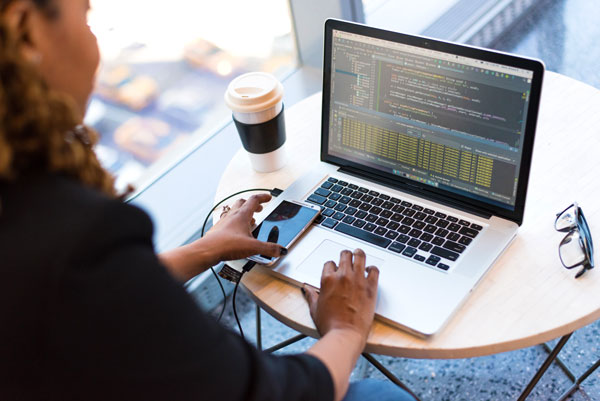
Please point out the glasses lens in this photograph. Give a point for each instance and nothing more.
(571, 250)
(566, 220)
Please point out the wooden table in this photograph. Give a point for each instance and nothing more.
(528, 297)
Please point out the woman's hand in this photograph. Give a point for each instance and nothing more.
(347, 297)
(230, 239)
(343, 312)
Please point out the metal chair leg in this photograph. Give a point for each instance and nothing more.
(389, 374)
(579, 380)
(544, 367)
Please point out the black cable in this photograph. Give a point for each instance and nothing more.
(274, 192)
(237, 320)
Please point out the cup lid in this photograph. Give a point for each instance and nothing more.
(253, 92)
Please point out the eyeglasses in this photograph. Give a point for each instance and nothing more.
(576, 248)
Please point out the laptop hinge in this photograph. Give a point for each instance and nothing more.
(413, 189)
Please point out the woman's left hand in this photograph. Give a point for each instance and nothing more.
(231, 237)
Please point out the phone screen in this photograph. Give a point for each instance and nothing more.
(284, 224)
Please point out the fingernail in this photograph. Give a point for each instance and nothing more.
(283, 251)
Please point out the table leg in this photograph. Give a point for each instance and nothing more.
(388, 374)
(285, 343)
(580, 380)
(258, 329)
(544, 367)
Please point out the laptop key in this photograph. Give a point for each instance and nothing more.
(404, 229)
(386, 214)
(391, 234)
(352, 186)
(380, 231)
(335, 196)
(396, 217)
(323, 192)
(427, 237)
(440, 215)
(438, 241)
(329, 223)
(453, 237)
(349, 219)
(453, 246)
(354, 203)
(420, 258)
(343, 183)
(359, 223)
(429, 211)
(419, 225)
(393, 225)
(442, 223)
(415, 233)
(340, 207)
(452, 219)
(330, 204)
(409, 212)
(331, 179)
(430, 228)
(339, 216)
(337, 188)
(373, 193)
(382, 222)
(346, 191)
(376, 210)
(431, 220)
(409, 251)
(345, 200)
(454, 227)
(367, 198)
(318, 199)
(365, 207)
(409, 221)
(414, 242)
(433, 260)
(417, 207)
(363, 235)
(384, 197)
(372, 218)
(363, 190)
(328, 212)
(425, 246)
(443, 266)
(406, 204)
(464, 223)
(361, 214)
(420, 216)
(326, 185)
(444, 253)
(398, 209)
(319, 219)
(476, 227)
(403, 238)
(356, 195)
(351, 211)
(395, 200)
(441, 232)
(397, 247)
(465, 241)
(469, 232)
(370, 227)
(387, 205)
(377, 202)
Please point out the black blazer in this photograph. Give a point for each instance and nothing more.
(87, 311)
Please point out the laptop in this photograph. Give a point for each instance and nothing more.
(426, 148)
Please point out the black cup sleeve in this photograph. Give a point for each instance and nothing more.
(264, 137)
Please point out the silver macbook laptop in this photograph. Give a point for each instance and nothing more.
(425, 157)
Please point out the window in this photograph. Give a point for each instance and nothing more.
(165, 68)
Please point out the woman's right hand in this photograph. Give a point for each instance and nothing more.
(346, 300)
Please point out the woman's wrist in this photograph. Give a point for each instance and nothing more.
(189, 260)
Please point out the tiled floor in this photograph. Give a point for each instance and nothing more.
(563, 33)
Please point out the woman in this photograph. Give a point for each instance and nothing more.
(87, 310)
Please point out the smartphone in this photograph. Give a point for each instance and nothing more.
(284, 226)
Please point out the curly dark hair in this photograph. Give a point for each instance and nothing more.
(40, 128)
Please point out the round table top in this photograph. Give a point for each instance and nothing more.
(527, 297)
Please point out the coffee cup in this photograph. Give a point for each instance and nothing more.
(256, 102)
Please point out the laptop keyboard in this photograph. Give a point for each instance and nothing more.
(425, 235)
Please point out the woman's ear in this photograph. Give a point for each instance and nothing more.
(19, 17)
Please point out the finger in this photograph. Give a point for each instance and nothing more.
(359, 262)
(345, 265)
(372, 276)
(329, 268)
(267, 248)
(312, 297)
(253, 203)
(238, 204)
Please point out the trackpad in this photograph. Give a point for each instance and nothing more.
(312, 266)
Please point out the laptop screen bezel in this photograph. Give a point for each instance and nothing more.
(536, 66)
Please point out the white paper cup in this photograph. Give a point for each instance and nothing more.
(256, 101)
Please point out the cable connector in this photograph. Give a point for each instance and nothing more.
(275, 192)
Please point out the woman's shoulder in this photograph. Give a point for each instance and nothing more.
(56, 209)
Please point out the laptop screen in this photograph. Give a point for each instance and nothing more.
(451, 122)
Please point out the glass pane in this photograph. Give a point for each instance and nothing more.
(166, 66)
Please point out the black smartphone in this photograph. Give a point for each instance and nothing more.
(284, 225)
